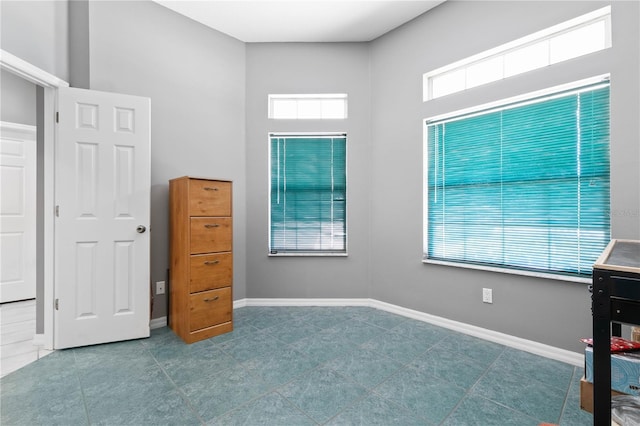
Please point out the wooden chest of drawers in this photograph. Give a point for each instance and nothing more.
(201, 298)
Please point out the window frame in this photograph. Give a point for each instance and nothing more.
(555, 91)
(326, 253)
(307, 97)
(500, 52)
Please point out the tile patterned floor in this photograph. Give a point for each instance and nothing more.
(297, 366)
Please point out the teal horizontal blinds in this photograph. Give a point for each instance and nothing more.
(308, 194)
(524, 186)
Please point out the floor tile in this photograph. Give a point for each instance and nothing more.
(217, 393)
(175, 349)
(51, 370)
(189, 367)
(45, 392)
(322, 393)
(450, 366)
(356, 331)
(521, 393)
(239, 331)
(481, 351)
(271, 409)
(293, 330)
(120, 352)
(327, 317)
(324, 345)
(161, 337)
(249, 347)
(424, 395)
(61, 404)
(382, 319)
(373, 410)
(279, 366)
(297, 366)
(113, 377)
(272, 316)
(477, 411)
(418, 330)
(548, 371)
(142, 406)
(365, 367)
(572, 414)
(397, 346)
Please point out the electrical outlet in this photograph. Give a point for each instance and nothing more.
(487, 295)
(160, 287)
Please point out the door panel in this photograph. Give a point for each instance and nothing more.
(102, 191)
(17, 212)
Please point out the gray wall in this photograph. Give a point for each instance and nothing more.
(17, 99)
(79, 38)
(308, 68)
(548, 311)
(208, 90)
(195, 77)
(35, 31)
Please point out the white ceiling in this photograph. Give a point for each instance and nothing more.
(255, 21)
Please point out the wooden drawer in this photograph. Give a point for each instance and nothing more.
(209, 271)
(210, 234)
(210, 308)
(209, 198)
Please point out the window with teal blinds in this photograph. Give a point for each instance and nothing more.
(523, 186)
(308, 194)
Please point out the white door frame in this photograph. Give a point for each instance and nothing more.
(50, 83)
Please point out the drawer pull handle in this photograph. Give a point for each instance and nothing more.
(212, 225)
(211, 262)
(212, 299)
(209, 188)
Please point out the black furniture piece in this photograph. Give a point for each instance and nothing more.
(615, 298)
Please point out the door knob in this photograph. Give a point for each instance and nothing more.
(140, 229)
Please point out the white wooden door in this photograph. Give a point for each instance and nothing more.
(102, 288)
(17, 212)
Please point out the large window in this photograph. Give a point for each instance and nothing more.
(521, 186)
(308, 194)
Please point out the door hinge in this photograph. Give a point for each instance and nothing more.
(56, 304)
(57, 211)
(57, 117)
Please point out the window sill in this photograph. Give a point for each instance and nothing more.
(511, 271)
(308, 254)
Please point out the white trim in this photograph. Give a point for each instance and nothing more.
(24, 129)
(599, 15)
(273, 99)
(302, 302)
(537, 348)
(49, 135)
(523, 99)
(523, 272)
(50, 83)
(29, 72)
(159, 322)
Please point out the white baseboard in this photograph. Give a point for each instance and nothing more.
(537, 348)
(158, 323)
(301, 302)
